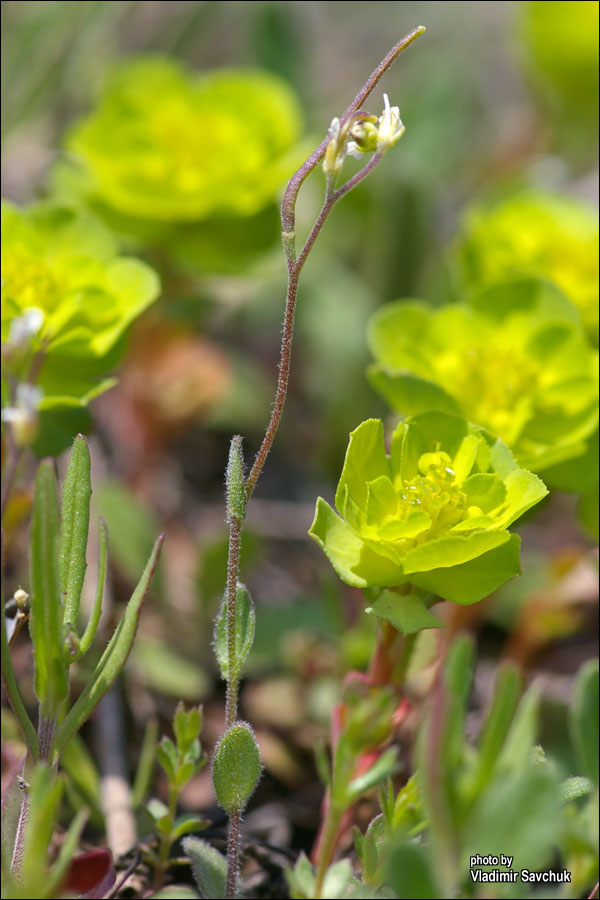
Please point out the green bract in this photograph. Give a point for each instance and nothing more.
(514, 360)
(544, 235)
(173, 146)
(60, 271)
(434, 513)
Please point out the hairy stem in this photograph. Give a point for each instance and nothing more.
(294, 266)
(233, 567)
(233, 854)
(327, 845)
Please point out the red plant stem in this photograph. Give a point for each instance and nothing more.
(285, 359)
(288, 207)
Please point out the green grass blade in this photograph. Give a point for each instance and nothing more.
(45, 624)
(92, 626)
(75, 516)
(111, 661)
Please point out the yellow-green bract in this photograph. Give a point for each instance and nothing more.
(514, 360)
(434, 513)
(538, 234)
(60, 269)
(171, 145)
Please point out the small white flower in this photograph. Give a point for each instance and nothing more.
(391, 127)
(23, 417)
(26, 326)
(334, 128)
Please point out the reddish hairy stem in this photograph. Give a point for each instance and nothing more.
(288, 207)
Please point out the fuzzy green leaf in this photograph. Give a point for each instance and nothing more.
(522, 733)
(584, 719)
(236, 767)
(51, 678)
(244, 633)
(411, 874)
(111, 661)
(574, 788)
(499, 717)
(209, 867)
(406, 612)
(74, 526)
(187, 725)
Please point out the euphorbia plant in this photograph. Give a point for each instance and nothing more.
(513, 359)
(67, 299)
(433, 515)
(532, 233)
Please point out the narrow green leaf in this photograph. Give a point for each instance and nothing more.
(14, 695)
(584, 719)
(384, 767)
(406, 612)
(84, 778)
(337, 880)
(244, 633)
(166, 754)
(112, 660)
(67, 851)
(92, 626)
(45, 792)
(236, 767)
(458, 676)
(209, 867)
(45, 622)
(187, 725)
(522, 734)
(518, 813)
(500, 715)
(74, 526)
(411, 873)
(145, 766)
(301, 879)
(322, 762)
(187, 825)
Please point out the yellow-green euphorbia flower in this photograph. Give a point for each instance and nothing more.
(514, 360)
(434, 513)
(532, 233)
(67, 295)
(171, 145)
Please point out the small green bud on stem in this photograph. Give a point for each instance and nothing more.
(234, 479)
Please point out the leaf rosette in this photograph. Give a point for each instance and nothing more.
(532, 233)
(434, 513)
(62, 264)
(169, 145)
(514, 359)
